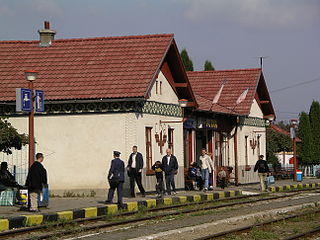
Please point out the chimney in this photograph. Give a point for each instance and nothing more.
(46, 35)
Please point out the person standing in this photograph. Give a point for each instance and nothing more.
(170, 166)
(36, 179)
(116, 178)
(135, 166)
(263, 170)
(206, 166)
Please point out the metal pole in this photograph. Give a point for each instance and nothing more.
(236, 166)
(31, 127)
(295, 163)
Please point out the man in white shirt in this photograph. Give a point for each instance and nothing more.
(206, 165)
(134, 168)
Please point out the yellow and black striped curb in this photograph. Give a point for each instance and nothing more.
(110, 209)
(294, 186)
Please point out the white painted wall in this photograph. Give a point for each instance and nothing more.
(252, 132)
(77, 148)
(255, 110)
(167, 96)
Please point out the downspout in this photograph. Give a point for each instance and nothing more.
(236, 170)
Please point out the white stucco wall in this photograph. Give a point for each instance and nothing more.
(77, 148)
(167, 94)
(252, 132)
(255, 110)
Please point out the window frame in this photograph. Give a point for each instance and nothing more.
(171, 139)
(148, 139)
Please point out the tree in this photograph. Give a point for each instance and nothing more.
(187, 62)
(314, 116)
(276, 142)
(208, 66)
(10, 138)
(304, 133)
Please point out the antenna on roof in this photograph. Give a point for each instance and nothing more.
(261, 60)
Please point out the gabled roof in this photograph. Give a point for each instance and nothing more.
(206, 85)
(89, 68)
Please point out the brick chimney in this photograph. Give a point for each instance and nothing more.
(46, 35)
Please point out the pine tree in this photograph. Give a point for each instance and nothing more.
(314, 116)
(187, 62)
(208, 66)
(304, 133)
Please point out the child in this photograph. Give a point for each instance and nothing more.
(222, 175)
(158, 168)
(195, 176)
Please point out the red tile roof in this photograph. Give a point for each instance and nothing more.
(282, 131)
(91, 68)
(206, 84)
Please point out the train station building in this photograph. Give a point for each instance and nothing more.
(234, 109)
(110, 93)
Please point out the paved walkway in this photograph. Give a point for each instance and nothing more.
(62, 204)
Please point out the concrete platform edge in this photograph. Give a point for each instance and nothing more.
(109, 209)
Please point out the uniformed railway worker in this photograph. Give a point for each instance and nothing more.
(116, 178)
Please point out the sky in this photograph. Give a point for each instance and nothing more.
(231, 34)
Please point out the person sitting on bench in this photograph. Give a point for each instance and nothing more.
(7, 180)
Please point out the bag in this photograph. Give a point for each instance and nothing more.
(8, 197)
(270, 180)
(114, 182)
(43, 197)
(23, 195)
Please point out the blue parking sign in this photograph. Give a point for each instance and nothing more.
(23, 100)
(39, 99)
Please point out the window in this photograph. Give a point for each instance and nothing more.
(170, 139)
(160, 87)
(149, 147)
(156, 86)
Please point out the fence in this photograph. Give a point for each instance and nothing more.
(310, 171)
(17, 164)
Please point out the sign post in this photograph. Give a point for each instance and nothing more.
(30, 102)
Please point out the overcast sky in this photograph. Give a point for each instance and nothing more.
(230, 33)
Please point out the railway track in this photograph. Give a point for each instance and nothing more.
(57, 229)
(264, 223)
(309, 233)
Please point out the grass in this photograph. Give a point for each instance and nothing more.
(70, 194)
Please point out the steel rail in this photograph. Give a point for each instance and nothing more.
(246, 228)
(304, 234)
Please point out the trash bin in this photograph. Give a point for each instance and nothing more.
(43, 199)
(299, 176)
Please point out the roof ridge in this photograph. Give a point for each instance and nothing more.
(95, 38)
(226, 70)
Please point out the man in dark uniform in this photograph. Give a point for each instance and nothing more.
(36, 179)
(170, 166)
(116, 178)
(135, 166)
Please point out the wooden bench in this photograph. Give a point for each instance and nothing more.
(282, 172)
